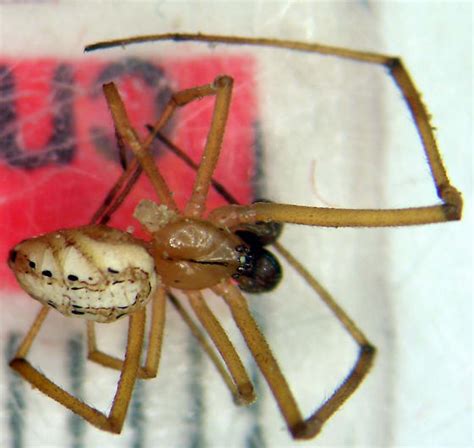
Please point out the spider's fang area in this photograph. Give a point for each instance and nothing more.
(246, 260)
(261, 272)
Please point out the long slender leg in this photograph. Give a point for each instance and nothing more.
(122, 187)
(233, 215)
(263, 356)
(112, 422)
(214, 329)
(168, 144)
(32, 333)
(451, 207)
(155, 341)
(128, 135)
(208, 349)
(131, 174)
(366, 349)
(299, 427)
(118, 193)
(221, 88)
(195, 206)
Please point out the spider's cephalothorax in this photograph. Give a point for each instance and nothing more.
(94, 272)
(192, 253)
(195, 254)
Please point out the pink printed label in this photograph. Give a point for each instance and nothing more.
(58, 156)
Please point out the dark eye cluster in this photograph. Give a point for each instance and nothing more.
(262, 271)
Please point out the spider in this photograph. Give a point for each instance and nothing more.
(103, 274)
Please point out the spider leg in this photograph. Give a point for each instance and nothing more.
(233, 215)
(265, 360)
(25, 346)
(112, 422)
(221, 87)
(155, 341)
(208, 349)
(118, 193)
(195, 206)
(316, 215)
(299, 427)
(245, 390)
(131, 175)
(122, 150)
(168, 144)
(366, 353)
(128, 135)
(451, 207)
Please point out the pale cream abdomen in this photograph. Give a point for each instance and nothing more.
(94, 272)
